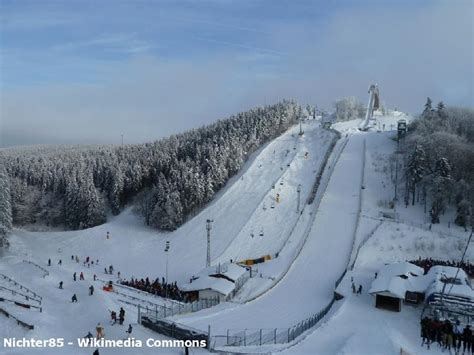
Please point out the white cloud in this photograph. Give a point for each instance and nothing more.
(410, 52)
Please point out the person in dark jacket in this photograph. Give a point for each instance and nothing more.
(425, 324)
(121, 315)
(457, 333)
(74, 298)
(129, 330)
(61, 285)
(448, 335)
(91, 290)
(467, 339)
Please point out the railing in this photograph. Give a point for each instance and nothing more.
(19, 304)
(26, 297)
(5, 277)
(46, 272)
(317, 182)
(136, 290)
(175, 330)
(177, 309)
(19, 322)
(264, 336)
(158, 311)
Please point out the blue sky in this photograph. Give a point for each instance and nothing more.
(89, 71)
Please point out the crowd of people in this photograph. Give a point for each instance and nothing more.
(447, 335)
(163, 289)
(427, 263)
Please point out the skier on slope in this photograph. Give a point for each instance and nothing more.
(121, 315)
(89, 336)
(129, 330)
(100, 331)
(74, 298)
(61, 285)
(81, 276)
(113, 316)
(74, 276)
(91, 290)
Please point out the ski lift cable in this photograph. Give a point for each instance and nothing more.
(462, 259)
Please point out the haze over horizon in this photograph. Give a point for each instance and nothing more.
(86, 72)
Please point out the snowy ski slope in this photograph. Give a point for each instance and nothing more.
(309, 284)
(138, 251)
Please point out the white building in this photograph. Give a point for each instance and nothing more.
(216, 282)
(405, 282)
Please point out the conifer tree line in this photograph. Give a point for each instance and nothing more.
(440, 162)
(75, 186)
(6, 220)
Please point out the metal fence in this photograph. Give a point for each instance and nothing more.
(18, 321)
(174, 330)
(138, 291)
(160, 312)
(264, 336)
(46, 272)
(16, 293)
(20, 304)
(21, 287)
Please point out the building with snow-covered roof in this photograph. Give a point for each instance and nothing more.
(396, 283)
(216, 282)
(405, 282)
(449, 285)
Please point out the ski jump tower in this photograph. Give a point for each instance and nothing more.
(374, 103)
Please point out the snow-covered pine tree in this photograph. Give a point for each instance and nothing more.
(416, 169)
(72, 208)
(441, 188)
(93, 206)
(169, 212)
(442, 168)
(428, 110)
(5, 207)
(438, 201)
(115, 185)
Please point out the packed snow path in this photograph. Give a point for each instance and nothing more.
(308, 286)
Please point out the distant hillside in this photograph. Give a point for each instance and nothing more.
(74, 186)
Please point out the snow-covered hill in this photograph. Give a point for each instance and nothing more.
(137, 251)
(341, 227)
